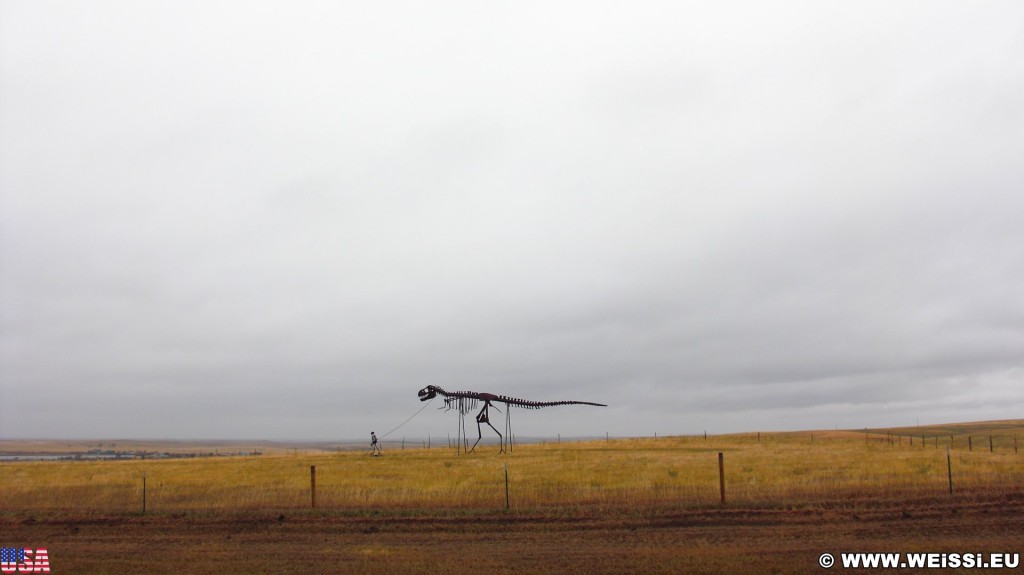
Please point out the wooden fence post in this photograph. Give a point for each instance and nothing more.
(143, 493)
(312, 485)
(949, 470)
(990, 448)
(507, 506)
(970, 444)
(721, 476)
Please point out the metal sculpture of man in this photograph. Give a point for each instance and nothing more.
(466, 401)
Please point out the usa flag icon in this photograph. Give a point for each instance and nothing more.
(22, 560)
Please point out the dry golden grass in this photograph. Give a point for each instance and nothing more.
(781, 469)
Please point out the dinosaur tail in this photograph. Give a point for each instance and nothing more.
(527, 404)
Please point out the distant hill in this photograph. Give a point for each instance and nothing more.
(1001, 427)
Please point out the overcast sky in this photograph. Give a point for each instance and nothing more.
(279, 220)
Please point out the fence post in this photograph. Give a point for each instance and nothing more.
(506, 487)
(312, 484)
(143, 493)
(990, 448)
(949, 470)
(721, 476)
(970, 444)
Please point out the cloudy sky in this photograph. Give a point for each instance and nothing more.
(279, 220)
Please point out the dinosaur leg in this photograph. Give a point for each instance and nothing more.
(483, 417)
(501, 439)
(479, 434)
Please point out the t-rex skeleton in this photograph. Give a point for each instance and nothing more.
(466, 401)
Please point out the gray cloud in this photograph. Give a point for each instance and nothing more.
(257, 220)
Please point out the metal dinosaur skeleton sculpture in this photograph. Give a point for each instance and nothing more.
(466, 401)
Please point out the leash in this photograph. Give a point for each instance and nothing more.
(408, 420)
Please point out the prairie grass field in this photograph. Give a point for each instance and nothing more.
(768, 469)
(659, 496)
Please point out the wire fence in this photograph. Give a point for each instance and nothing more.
(762, 469)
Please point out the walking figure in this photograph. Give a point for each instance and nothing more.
(374, 446)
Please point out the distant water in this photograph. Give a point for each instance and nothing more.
(49, 457)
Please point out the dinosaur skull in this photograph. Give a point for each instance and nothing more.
(428, 392)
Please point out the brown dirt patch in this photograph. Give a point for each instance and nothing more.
(727, 540)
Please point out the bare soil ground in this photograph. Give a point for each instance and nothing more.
(661, 540)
